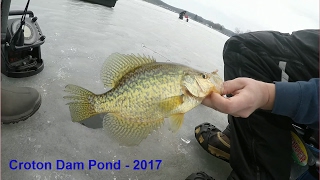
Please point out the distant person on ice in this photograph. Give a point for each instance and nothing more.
(182, 14)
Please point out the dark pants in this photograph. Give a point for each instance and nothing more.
(261, 143)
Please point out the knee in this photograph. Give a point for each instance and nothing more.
(237, 43)
(227, 44)
(232, 57)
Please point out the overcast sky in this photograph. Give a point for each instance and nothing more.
(279, 15)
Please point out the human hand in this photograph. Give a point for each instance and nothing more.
(248, 95)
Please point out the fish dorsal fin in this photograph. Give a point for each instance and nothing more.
(117, 65)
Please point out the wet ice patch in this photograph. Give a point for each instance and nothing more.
(53, 175)
(37, 147)
(181, 149)
(31, 139)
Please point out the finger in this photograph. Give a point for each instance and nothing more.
(212, 100)
(233, 85)
(207, 101)
(231, 105)
(217, 102)
(236, 92)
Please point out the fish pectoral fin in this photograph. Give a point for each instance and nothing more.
(176, 121)
(117, 65)
(128, 132)
(170, 103)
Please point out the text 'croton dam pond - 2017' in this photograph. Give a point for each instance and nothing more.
(91, 164)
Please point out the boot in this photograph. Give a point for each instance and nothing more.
(214, 141)
(18, 104)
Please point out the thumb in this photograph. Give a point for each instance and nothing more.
(233, 85)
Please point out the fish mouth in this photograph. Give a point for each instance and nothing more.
(217, 82)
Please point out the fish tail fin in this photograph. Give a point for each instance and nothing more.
(82, 106)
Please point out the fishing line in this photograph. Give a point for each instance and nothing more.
(171, 31)
(168, 60)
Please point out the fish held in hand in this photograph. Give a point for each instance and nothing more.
(143, 93)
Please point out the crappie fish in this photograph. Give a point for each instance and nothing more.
(143, 93)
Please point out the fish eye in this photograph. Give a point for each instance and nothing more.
(204, 76)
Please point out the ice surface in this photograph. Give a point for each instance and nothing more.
(79, 38)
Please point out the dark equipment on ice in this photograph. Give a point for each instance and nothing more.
(108, 3)
(21, 39)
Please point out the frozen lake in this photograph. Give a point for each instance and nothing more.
(80, 36)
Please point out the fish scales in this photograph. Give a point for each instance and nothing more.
(137, 95)
(143, 93)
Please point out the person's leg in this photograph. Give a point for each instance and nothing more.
(18, 103)
(261, 143)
